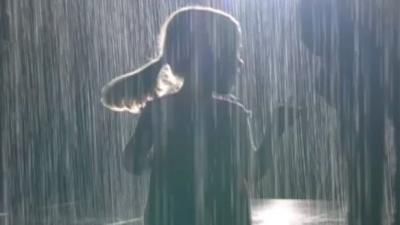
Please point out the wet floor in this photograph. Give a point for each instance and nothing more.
(297, 212)
(264, 212)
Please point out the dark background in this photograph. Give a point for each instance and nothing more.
(61, 150)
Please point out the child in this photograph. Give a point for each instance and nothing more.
(191, 132)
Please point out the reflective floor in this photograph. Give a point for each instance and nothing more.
(296, 212)
(265, 212)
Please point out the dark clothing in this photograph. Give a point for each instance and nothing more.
(200, 162)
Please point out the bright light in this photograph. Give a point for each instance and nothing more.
(278, 213)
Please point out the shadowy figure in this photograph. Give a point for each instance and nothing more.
(193, 135)
(353, 81)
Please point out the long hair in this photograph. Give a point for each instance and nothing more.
(218, 32)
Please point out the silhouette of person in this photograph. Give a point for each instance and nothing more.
(192, 133)
(353, 81)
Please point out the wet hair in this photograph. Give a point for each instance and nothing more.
(207, 37)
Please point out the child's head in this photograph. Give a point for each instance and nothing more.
(202, 44)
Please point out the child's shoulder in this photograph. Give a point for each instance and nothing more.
(231, 103)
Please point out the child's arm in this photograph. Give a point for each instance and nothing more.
(285, 117)
(263, 158)
(247, 148)
(137, 151)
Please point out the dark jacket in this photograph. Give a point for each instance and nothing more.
(200, 162)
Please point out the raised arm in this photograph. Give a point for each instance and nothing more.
(247, 148)
(263, 158)
(284, 118)
(137, 151)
